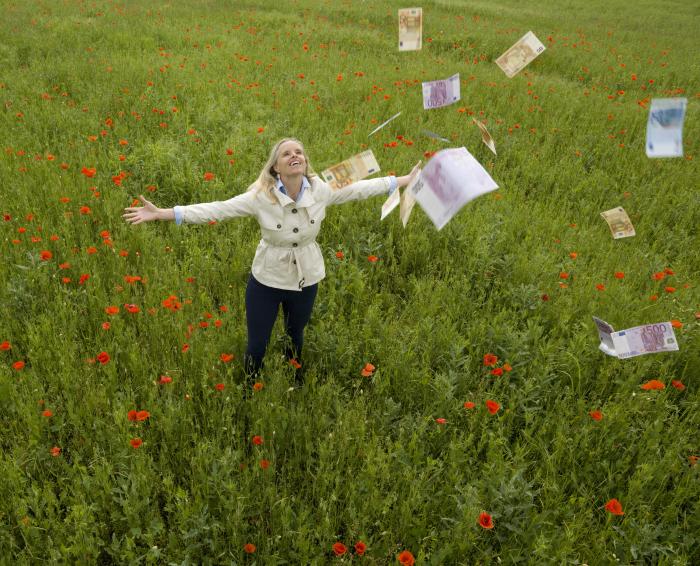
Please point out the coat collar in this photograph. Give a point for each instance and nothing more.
(305, 196)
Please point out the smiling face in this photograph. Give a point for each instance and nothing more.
(290, 159)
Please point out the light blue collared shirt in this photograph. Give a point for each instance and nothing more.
(304, 185)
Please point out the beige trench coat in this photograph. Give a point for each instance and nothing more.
(288, 256)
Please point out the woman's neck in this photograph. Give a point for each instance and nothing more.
(292, 184)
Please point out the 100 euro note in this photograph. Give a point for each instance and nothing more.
(645, 339)
(437, 94)
(520, 55)
(410, 29)
(665, 127)
(351, 170)
(619, 223)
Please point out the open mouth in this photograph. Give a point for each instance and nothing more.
(295, 163)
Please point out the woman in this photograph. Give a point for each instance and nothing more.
(289, 201)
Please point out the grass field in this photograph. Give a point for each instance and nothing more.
(125, 435)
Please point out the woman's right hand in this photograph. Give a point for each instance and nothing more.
(145, 213)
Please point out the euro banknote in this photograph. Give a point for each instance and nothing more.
(485, 136)
(410, 29)
(351, 170)
(636, 341)
(437, 94)
(527, 48)
(619, 223)
(665, 127)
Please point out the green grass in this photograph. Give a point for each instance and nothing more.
(351, 458)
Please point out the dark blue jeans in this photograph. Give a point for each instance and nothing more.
(262, 305)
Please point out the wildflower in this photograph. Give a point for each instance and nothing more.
(600, 287)
(441, 421)
(678, 384)
(670, 289)
(226, 357)
(596, 415)
(88, 172)
(295, 363)
(264, 464)
(490, 360)
(257, 440)
(615, 507)
(372, 258)
(658, 276)
(339, 255)
(563, 275)
(368, 370)
(249, 548)
(184, 348)
(497, 372)
(339, 549)
(110, 310)
(469, 405)
(209, 176)
(653, 385)
(492, 406)
(573, 255)
(676, 323)
(55, 451)
(406, 558)
(545, 297)
(507, 367)
(619, 275)
(103, 358)
(219, 386)
(693, 460)
(45, 255)
(83, 278)
(258, 386)
(136, 442)
(142, 415)
(133, 309)
(669, 271)
(5, 345)
(485, 520)
(164, 379)
(360, 548)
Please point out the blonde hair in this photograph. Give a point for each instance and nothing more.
(267, 180)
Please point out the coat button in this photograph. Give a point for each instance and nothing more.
(294, 262)
(279, 226)
(312, 221)
(295, 230)
(294, 210)
(294, 245)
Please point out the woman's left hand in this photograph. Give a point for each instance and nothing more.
(406, 179)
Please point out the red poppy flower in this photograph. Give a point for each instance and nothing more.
(226, 357)
(142, 415)
(573, 255)
(264, 464)
(136, 442)
(406, 558)
(219, 386)
(131, 415)
(360, 548)
(339, 549)
(184, 348)
(469, 405)
(5, 345)
(164, 379)
(485, 520)
(507, 367)
(294, 363)
(47, 413)
(492, 406)
(693, 460)
(563, 275)
(678, 384)
(670, 289)
(103, 358)
(596, 415)
(490, 360)
(368, 370)
(110, 310)
(106, 326)
(88, 172)
(669, 271)
(545, 297)
(372, 258)
(208, 176)
(658, 276)
(619, 275)
(676, 323)
(615, 507)
(257, 440)
(339, 255)
(45, 255)
(83, 278)
(600, 287)
(652, 385)
(258, 386)
(249, 548)
(55, 451)
(497, 372)
(441, 421)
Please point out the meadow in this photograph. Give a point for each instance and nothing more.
(127, 434)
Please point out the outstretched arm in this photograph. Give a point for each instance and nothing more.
(147, 213)
(406, 179)
(372, 187)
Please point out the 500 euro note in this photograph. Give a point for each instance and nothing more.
(437, 94)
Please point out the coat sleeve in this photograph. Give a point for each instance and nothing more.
(360, 190)
(240, 205)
